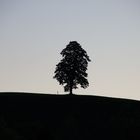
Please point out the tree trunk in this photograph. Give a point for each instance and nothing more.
(71, 84)
(70, 90)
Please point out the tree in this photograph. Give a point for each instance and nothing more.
(71, 70)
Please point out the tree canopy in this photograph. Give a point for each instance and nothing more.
(71, 70)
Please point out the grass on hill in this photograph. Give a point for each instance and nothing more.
(28, 116)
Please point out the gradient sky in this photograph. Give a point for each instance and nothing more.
(33, 33)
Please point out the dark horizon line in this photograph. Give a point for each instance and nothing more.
(67, 94)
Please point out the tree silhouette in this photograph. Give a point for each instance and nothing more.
(71, 70)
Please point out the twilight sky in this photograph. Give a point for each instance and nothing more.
(33, 33)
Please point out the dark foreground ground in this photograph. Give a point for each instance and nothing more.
(25, 116)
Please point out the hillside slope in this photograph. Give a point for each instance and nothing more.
(25, 116)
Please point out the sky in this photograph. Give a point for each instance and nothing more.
(34, 32)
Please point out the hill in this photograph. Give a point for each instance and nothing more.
(26, 116)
